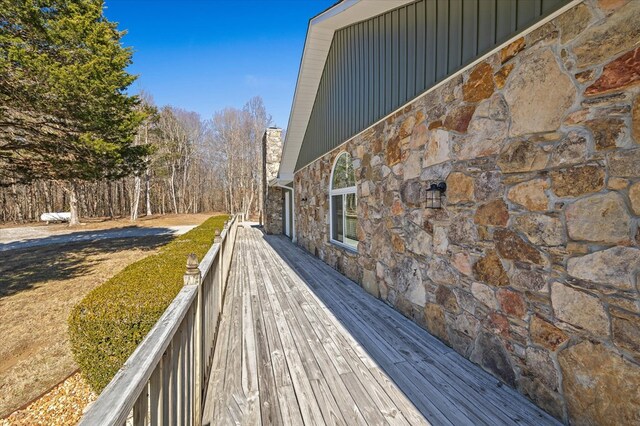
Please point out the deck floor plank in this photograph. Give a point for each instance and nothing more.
(328, 388)
(476, 384)
(309, 408)
(301, 344)
(268, 397)
(436, 382)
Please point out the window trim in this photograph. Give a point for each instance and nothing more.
(340, 191)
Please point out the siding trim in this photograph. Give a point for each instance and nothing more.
(528, 30)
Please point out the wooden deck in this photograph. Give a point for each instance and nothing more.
(301, 344)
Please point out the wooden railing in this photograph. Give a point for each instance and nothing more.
(164, 381)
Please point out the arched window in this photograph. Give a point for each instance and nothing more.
(344, 202)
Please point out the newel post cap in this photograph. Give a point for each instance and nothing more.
(192, 264)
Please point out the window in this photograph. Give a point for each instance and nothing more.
(344, 203)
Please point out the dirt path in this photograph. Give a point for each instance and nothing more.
(18, 241)
(36, 232)
(38, 287)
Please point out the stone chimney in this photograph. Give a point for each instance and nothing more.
(271, 154)
(272, 151)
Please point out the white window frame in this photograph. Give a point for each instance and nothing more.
(340, 191)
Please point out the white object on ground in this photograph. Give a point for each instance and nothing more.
(55, 217)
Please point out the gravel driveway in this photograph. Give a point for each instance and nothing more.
(26, 237)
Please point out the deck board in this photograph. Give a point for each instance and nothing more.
(301, 344)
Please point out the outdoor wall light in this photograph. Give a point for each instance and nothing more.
(434, 195)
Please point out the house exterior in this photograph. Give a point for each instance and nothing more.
(476, 165)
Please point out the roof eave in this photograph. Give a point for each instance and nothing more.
(316, 49)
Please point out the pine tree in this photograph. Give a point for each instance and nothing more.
(65, 114)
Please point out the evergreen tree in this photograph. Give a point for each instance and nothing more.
(64, 111)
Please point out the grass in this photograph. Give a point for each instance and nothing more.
(39, 286)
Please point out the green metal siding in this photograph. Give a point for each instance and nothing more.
(376, 66)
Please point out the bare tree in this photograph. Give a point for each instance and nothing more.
(237, 135)
(142, 138)
(194, 165)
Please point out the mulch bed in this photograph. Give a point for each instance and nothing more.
(62, 405)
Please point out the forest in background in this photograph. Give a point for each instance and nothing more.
(194, 165)
(73, 138)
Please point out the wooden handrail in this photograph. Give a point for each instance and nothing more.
(163, 381)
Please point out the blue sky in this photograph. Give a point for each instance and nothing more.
(206, 55)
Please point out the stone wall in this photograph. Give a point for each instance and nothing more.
(274, 211)
(531, 268)
(271, 196)
(272, 149)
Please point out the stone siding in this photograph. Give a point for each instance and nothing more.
(271, 197)
(274, 211)
(272, 150)
(531, 268)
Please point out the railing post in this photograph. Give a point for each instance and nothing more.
(218, 240)
(193, 277)
(227, 253)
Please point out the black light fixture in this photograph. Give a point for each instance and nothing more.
(434, 195)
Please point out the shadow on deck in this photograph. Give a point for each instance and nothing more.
(301, 344)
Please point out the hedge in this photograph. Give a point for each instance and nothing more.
(108, 324)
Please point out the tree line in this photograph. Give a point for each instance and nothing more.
(73, 139)
(194, 165)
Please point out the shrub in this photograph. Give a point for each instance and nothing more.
(108, 324)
